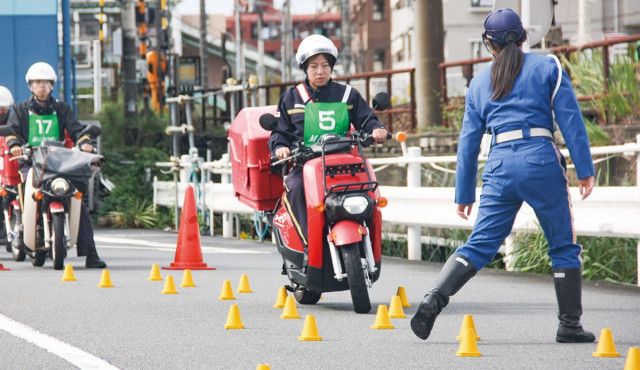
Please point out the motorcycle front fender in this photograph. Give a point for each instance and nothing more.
(347, 232)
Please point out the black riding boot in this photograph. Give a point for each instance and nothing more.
(454, 274)
(569, 295)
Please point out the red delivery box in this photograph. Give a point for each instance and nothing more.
(253, 182)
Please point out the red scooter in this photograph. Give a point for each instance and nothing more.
(11, 194)
(344, 222)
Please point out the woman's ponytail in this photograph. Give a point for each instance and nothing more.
(506, 67)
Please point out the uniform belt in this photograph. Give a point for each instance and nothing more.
(518, 134)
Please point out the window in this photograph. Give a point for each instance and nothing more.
(481, 3)
(477, 49)
(378, 10)
(378, 61)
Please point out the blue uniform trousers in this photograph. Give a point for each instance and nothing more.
(530, 170)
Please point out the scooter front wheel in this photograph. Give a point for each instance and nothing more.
(39, 258)
(59, 243)
(304, 296)
(355, 276)
(16, 246)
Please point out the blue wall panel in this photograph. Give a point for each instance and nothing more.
(26, 36)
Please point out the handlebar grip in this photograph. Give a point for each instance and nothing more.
(389, 136)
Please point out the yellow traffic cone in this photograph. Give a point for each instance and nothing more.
(263, 367)
(226, 293)
(155, 275)
(187, 279)
(310, 330)
(633, 359)
(105, 280)
(382, 318)
(467, 322)
(233, 318)
(68, 274)
(468, 346)
(169, 286)
(290, 310)
(243, 286)
(281, 298)
(606, 346)
(395, 308)
(403, 297)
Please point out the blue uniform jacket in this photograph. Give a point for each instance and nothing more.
(528, 103)
(291, 111)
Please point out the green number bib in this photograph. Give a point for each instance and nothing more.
(324, 118)
(42, 128)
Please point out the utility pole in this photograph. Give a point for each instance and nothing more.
(238, 35)
(260, 67)
(584, 21)
(203, 46)
(160, 59)
(130, 54)
(286, 47)
(429, 54)
(346, 36)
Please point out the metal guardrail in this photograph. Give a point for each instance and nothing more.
(608, 212)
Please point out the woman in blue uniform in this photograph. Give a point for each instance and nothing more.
(515, 100)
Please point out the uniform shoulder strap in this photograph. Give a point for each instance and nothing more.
(555, 89)
(559, 81)
(347, 92)
(304, 94)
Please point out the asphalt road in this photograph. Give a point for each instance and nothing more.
(133, 326)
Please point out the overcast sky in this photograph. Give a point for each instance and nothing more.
(226, 6)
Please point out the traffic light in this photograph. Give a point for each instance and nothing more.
(156, 69)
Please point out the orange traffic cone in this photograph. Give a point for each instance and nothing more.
(188, 252)
(402, 293)
(155, 275)
(233, 318)
(290, 311)
(68, 274)
(243, 286)
(310, 330)
(395, 308)
(105, 280)
(468, 346)
(281, 299)
(467, 322)
(2, 268)
(382, 318)
(633, 359)
(606, 346)
(187, 279)
(226, 293)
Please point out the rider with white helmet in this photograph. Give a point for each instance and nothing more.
(299, 114)
(42, 109)
(6, 101)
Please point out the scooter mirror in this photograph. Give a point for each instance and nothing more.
(92, 130)
(268, 122)
(381, 101)
(6, 130)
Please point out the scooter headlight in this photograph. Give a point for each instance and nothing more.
(355, 205)
(59, 186)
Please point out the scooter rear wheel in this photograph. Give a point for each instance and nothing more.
(355, 276)
(304, 296)
(38, 259)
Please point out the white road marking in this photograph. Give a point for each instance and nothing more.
(61, 349)
(171, 247)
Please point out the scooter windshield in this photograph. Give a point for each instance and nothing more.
(51, 161)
